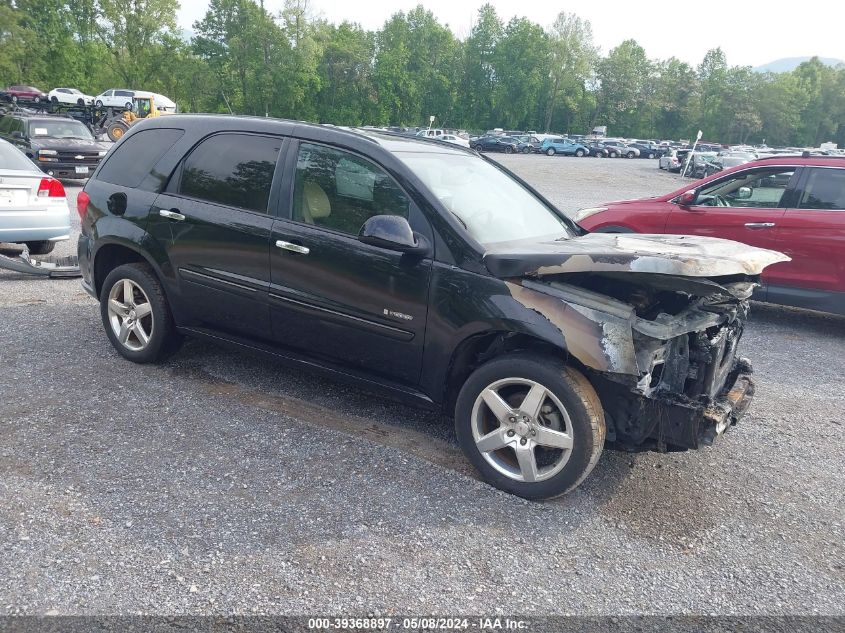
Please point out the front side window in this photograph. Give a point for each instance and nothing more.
(825, 189)
(235, 170)
(487, 201)
(758, 188)
(340, 191)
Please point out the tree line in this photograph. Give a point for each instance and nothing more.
(517, 75)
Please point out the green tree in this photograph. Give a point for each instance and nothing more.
(479, 76)
(625, 79)
(521, 64)
(572, 63)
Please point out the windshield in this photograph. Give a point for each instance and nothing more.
(60, 128)
(489, 203)
(12, 158)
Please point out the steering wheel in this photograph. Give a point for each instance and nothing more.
(719, 201)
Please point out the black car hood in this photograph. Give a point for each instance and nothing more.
(69, 144)
(683, 255)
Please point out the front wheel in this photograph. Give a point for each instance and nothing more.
(531, 425)
(508, 149)
(579, 153)
(526, 150)
(479, 148)
(630, 155)
(136, 315)
(98, 104)
(613, 154)
(550, 151)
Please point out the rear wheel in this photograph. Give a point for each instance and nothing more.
(479, 148)
(116, 130)
(136, 315)
(98, 104)
(40, 248)
(526, 150)
(508, 149)
(550, 151)
(613, 155)
(630, 155)
(531, 425)
(55, 100)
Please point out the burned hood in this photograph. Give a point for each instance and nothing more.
(683, 255)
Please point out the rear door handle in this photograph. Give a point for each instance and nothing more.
(759, 225)
(173, 215)
(294, 248)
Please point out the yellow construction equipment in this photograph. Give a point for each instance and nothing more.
(142, 108)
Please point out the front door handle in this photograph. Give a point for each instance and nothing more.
(759, 225)
(173, 215)
(294, 248)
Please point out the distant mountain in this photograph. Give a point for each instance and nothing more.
(788, 64)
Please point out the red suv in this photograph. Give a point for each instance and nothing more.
(24, 93)
(792, 204)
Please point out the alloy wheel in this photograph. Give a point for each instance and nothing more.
(522, 429)
(130, 315)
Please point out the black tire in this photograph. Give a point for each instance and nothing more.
(98, 104)
(479, 148)
(579, 153)
(163, 340)
(116, 130)
(613, 155)
(55, 100)
(630, 155)
(526, 150)
(44, 247)
(576, 395)
(550, 151)
(508, 149)
(128, 105)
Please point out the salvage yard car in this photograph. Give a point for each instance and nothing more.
(59, 144)
(33, 207)
(794, 204)
(426, 272)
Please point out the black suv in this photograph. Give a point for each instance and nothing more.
(60, 145)
(426, 272)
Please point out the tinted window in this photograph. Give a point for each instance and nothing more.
(825, 189)
(5, 124)
(122, 93)
(341, 191)
(134, 159)
(232, 169)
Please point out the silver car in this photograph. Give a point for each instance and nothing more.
(33, 206)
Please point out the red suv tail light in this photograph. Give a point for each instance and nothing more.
(50, 188)
(82, 201)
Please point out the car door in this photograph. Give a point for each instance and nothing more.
(214, 224)
(745, 206)
(812, 233)
(332, 296)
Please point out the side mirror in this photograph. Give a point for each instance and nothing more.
(687, 199)
(744, 193)
(394, 233)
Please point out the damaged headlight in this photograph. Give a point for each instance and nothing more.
(581, 214)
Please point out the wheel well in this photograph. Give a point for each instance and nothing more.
(110, 257)
(477, 350)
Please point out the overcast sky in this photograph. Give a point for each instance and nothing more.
(751, 32)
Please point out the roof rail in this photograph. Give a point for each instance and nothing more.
(805, 154)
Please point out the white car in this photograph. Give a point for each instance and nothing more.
(69, 96)
(451, 138)
(117, 98)
(33, 206)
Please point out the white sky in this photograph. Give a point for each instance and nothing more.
(751, 32)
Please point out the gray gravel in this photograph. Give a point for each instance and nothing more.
(220, 483)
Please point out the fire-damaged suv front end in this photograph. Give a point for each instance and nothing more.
(655, 323)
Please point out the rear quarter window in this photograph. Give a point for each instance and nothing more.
(134, 159)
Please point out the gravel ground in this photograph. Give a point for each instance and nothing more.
(219, 483)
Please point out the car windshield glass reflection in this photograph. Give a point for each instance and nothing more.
(491, 205)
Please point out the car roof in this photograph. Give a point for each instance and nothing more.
(391, 141)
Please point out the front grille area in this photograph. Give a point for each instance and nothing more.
(88, 158)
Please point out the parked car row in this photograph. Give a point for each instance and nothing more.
(120, 98)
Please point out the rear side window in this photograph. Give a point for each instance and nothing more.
(825, 189)
(12, 158)
(132, 161)
(235, 170)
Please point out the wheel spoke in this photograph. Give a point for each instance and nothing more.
(492, 441)
(527, 463)
(553, 439)
(128, 295)
(125, 329)
(498, 406)
(142, 310)
(117, 307)
(143, 339)
(533, 401)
